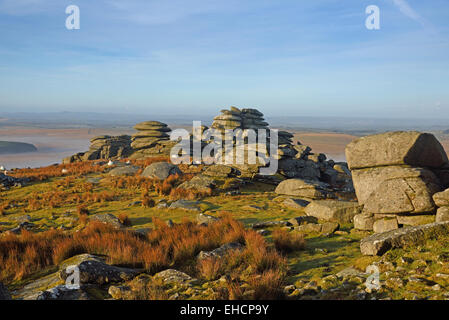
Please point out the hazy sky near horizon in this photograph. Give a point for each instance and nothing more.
(296, 57)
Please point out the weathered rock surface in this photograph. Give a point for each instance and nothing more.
(367, 181)
(396, 148)
(161, 170)
(199, 182)
(8, 181)
(186, 205)
(93, 270)
(333, 210)
(385, 225)
(442, 214)
(124, 171)
(442, 198)
(298, 221)
(379, 243)
(295, 203)
(220, 252)
(364, 221)
(107, 218)
(411, 195)
(104, 147)
(4, 293)
(203, 218)
(303, 188)
(175, 276)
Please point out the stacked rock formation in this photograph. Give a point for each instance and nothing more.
(294, 160)
(104, 147)
(152, 139)
(395, 175)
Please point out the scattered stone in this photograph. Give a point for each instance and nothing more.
(220, 171)
(199, 182)
(206, 219)
(297, 221)
(220, 252)
(379, 243)
(333, 210)
(186, 205)
(175, 276)
(161, 170)
(93, 270)
(269, 224)
(303, 188)
(108, 218)
(124, 171)
(263, 232)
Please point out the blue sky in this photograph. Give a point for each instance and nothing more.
(285, 57)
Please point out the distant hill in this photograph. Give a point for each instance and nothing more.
(446, 131)
(8, 147)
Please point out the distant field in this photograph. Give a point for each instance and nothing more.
(331, 144)
(10, 147)
(55, 144)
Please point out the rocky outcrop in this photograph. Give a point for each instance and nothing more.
(104, 147)
(152, 139)
(8, 181)
(161, 170)
(396, 174)
(294, 160)
(379, 243)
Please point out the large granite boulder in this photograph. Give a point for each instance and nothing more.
(367, 181)
(161, 170)
(396, 173)
(396, 148)
(303, 188)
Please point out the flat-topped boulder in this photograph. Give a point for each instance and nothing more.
(379, 243)
(396, 148)
(150, 125)
(334, 210)
(303, 188)
(93, 270)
